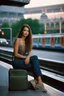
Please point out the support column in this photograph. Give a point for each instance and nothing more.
(60, 27)
(45, 28)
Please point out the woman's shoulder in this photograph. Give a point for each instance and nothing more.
(17, 39)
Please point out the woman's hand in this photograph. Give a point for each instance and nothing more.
(27, 60)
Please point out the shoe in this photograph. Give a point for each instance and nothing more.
(40, 87)
(33, 83)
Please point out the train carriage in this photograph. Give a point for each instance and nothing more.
(53, 41)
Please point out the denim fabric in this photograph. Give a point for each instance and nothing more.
(32, 66)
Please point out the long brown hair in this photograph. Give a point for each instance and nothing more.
(28, 40)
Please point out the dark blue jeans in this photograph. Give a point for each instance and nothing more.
(33, 66)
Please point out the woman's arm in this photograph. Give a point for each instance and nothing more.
(16, 46)
(27, 60)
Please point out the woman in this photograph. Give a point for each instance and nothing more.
(23, 58)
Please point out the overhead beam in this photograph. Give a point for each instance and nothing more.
(14, 2)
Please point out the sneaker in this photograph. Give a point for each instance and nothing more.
(40, 87)
(33, 83)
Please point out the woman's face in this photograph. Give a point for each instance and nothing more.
(25, 32)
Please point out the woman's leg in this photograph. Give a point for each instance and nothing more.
(20, 64)
(33, 66)
(37, 72)
(36, 68)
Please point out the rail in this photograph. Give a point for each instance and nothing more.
(51, 71)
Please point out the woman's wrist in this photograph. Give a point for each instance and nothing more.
(28, 56)
(23, 57)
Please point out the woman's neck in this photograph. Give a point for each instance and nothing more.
(23, 38)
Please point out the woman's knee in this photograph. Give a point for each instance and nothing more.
(34, 60)
(34, 57)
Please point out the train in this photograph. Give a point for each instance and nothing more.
(44, 41)
(49, 41)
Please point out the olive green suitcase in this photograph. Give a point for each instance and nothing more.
(18, 80)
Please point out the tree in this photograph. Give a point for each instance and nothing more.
(6, 31)
(34, 24)
(41, 28)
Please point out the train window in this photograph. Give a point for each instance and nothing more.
(47, 40)
(57, 40)
(35, 40)
(40, 40)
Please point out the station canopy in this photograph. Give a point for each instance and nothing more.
(14, 2)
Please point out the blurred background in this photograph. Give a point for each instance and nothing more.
(44, 17)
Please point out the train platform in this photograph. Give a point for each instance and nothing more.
(4, 68)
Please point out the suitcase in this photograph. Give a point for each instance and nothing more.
(18, 80)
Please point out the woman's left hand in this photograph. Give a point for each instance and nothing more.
(27, 60)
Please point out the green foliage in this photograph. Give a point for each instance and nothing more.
(6, 31)
(41, 28)
(5, 24)
(36, 27)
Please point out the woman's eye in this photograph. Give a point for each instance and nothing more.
(26, 30)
